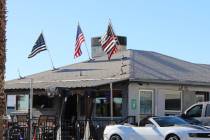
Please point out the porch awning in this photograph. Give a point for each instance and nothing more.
(80, 83)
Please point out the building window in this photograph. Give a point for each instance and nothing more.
(102, 104)
(117, 106)
(22, 102)
(42, 101)
(173, 101)
(202, 96)
(82, 105)
(146, 103)
(199, 98)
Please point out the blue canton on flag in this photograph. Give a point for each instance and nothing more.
(38, 47)
(79, 40)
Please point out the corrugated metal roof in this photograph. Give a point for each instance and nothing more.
(157, 67)
(86, 74)
(136, 66)
(67, 84)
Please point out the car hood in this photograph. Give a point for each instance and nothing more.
(191, 128)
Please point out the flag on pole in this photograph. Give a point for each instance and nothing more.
(109, 42)
(39, 46)
(79, 40)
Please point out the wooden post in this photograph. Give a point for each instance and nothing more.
(111, 101)
(31, 110)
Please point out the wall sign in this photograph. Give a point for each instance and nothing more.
(133, 104)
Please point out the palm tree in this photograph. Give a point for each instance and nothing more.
(2, 62)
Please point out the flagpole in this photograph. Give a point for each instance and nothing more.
(53, 67)
(87, 50)
(86, 45)
(116, 35)
(111, 101)
(119, 45)
(113, 30)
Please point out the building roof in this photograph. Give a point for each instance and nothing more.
(136, 65)
(156, 67)
(85, 74)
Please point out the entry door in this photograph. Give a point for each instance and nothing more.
(202, 96)
(146, 103)
(70, 112)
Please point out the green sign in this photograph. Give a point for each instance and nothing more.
(133, 104)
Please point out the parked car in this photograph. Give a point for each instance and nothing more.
(199, 111)
(157, 128)
(191, 120)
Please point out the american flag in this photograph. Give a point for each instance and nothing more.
(79, 40)
(39, 46)
(109, 42)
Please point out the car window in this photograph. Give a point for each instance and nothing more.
(170, 121)
(208, 110)
(195, 111)
(145, 121)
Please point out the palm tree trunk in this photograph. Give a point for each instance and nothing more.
(2, 62)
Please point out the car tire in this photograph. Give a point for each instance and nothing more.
(172, 137)
(115, 137)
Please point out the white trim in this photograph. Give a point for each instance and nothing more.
(153, 100)
(181, 98)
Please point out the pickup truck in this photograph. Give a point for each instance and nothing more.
(199, 111)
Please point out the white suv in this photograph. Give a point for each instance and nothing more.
(199, 111)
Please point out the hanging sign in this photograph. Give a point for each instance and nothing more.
(133, 104)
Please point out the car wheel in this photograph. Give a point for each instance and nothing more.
(115, 137)
(172, 137)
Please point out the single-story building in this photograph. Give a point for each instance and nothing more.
(133, 83)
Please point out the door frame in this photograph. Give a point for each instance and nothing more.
(153, 101)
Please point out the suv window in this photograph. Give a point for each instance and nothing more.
(195, 111)
(208, 110)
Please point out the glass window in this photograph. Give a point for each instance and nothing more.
(145, 121)
(102, 104)
(146, 103)
(82, 105)
(199, 98)
(22, 102)
(195, 111)
(117, 106)
(173, 101)
(42, 101)
(102, 107)
(208, 110)
(202, 96)
(169, 121)
(11, 100)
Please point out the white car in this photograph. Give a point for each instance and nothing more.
(157, 128)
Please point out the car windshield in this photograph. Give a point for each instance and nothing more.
(192, 121)
(170, 121)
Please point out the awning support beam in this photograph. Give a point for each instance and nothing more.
(111, 101)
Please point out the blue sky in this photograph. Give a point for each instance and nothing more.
(178, 28)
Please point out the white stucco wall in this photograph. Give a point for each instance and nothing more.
(187, 93)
